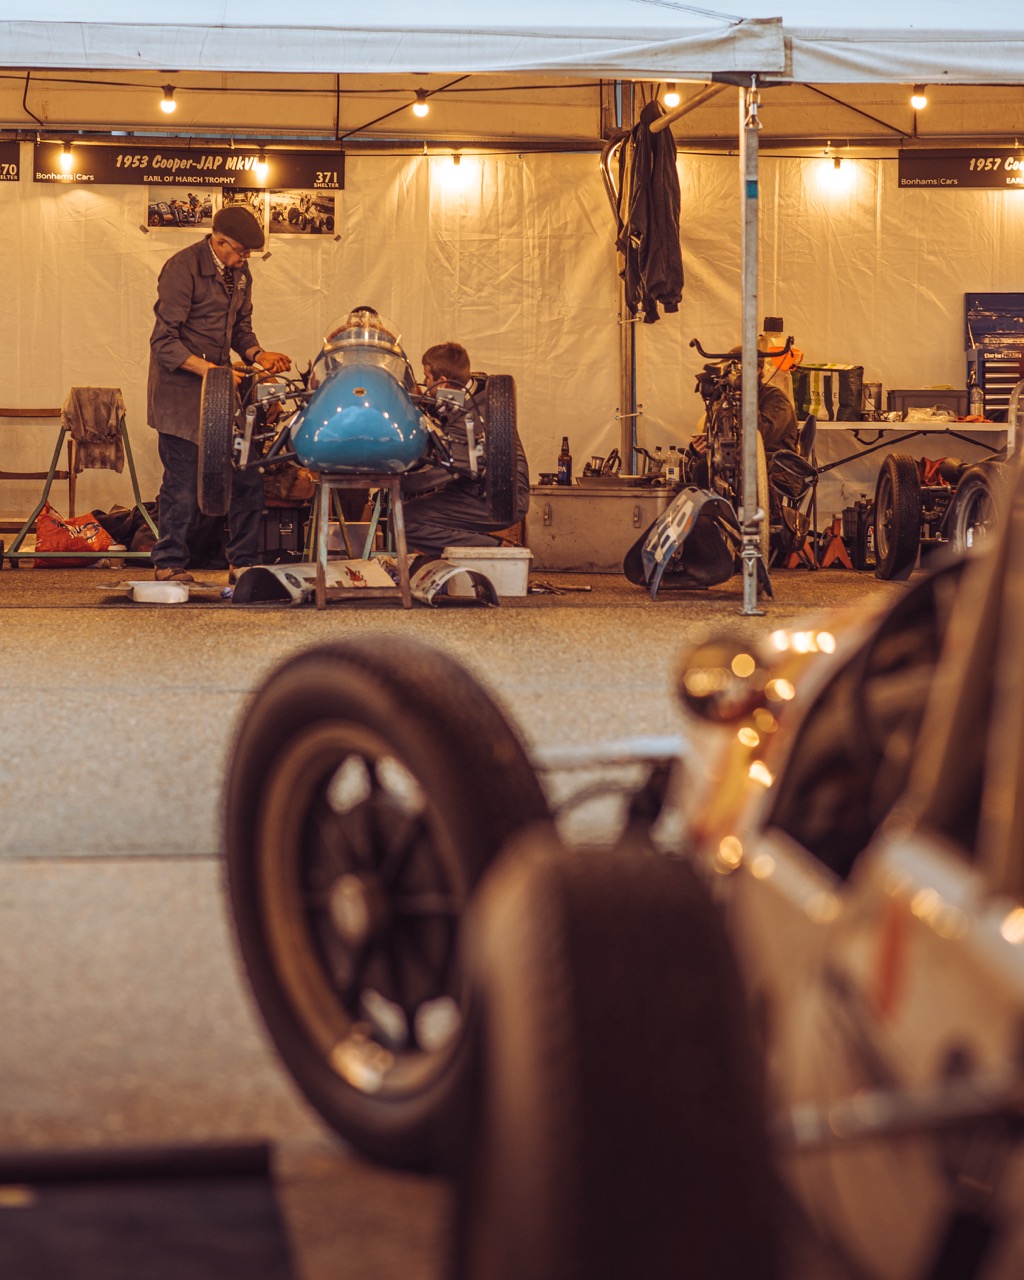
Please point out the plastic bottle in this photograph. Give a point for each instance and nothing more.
(672, 466)
(658, 466)
(565, 463)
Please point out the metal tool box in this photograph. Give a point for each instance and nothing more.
(589, 529)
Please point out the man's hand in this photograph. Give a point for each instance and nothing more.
(273, 361)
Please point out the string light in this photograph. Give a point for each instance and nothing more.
(421, 106)
(66, 158)
(671, 96)
(168, 105)
(919, 99)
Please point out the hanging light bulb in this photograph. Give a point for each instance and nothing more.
(836, 163)
(671, 96)
(262, 168)
(456, 158)
(919, 99)
(421, 106)
(66, 158)
(168, 105)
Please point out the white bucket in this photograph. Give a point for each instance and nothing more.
(507, 567)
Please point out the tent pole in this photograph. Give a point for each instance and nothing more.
(751, 515)
(627, 413)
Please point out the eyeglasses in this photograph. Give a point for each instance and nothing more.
(241, 250)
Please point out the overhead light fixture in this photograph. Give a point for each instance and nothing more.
(421, 106)
(66, 158)
(919, 99)
(456, 158)
(262, 168)
(671, 97)
(836, 163)
(168, 105)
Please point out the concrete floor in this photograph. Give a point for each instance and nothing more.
(125, 1017)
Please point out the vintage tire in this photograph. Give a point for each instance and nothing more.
(897, 516)
(976, 506)
(500, 438)
(370, 785)
(217, 410)
(618, 1127)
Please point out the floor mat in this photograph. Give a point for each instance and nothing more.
(197, 1213)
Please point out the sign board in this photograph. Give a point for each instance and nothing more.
(203, 165)
(988, 168)
(10, 161)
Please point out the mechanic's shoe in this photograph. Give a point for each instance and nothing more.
(172, 575)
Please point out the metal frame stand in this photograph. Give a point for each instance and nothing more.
(320, 519)
(14, 555)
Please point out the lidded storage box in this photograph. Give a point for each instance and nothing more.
(508, 568)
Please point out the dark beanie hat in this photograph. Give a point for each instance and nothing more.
(237, 223)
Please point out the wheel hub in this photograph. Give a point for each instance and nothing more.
(359, 908)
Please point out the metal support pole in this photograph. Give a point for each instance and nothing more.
(751, 514)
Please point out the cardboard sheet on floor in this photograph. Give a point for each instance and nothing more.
(296, 583)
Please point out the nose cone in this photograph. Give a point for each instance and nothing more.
(359, 419)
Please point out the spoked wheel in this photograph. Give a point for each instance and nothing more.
(975, 507)
(371, 784)
(619, 1128)
(217, 412)
(897, 516)
(500, 446)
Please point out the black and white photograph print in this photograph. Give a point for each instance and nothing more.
(302, 212)
(191, 207)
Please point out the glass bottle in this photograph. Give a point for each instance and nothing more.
(565, 463)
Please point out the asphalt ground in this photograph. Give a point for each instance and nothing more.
(126, 1020)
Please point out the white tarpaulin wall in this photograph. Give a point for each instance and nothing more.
(518, 265)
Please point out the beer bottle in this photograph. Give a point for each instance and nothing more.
(565, 463)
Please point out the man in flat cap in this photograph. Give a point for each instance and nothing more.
(203, 312)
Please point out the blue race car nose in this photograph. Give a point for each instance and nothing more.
(359, 419)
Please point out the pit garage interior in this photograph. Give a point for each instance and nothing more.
(113, 754)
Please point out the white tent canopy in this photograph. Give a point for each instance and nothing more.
(519, 263)
(792, 41)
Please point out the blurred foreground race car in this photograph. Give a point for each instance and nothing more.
(357, 410)
(803, 954)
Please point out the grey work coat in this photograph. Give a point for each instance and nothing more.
(195, 316)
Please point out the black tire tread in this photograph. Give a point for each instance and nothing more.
(500, 447)
(621, 1128)
(217, 410)
(898, 523)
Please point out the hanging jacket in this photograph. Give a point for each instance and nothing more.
(650, 258)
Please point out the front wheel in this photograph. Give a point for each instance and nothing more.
(619, 1129)
(897, 516)
(371, 784)
(500, 447)
(975, 507)
(218, 410)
